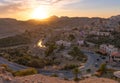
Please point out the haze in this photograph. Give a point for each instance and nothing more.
(23, 9)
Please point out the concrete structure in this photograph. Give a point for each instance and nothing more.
(115, 56)
(80, 43)
(112, 52)
(108, 48)
(99, 33)
(117, 74)
(64, 43)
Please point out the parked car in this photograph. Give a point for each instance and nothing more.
(98, 59)
(103, 57)
(96, 64)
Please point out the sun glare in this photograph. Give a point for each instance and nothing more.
(40, 44)
(40, 12)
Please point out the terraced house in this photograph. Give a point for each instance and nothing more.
(112, 52)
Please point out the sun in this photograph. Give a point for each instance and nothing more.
(41, 12)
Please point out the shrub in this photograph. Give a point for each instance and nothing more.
(25, 72)
(75, 52)
(50, 49)
(76, 79)
(6, 67)
(71, 37)
(88, 70)
(70, 66)
(66, 78)
(37, 63)
(102, 68)
(54, 75)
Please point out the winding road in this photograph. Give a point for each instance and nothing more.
(90, 64)
(12, 65)
(94, 61)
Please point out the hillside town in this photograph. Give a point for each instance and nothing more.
(62, 45)
(59, 41)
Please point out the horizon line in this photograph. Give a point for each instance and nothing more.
(60, 17)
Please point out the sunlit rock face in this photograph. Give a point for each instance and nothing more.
(40, 44)
(38, 48)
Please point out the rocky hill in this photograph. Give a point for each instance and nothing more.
(10, 27)
(6, 77)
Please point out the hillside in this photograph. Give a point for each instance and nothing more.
(6, 77)
(10, 27)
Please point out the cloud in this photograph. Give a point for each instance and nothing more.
(56, 2)
(11, 6)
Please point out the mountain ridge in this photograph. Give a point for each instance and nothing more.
(10, 26)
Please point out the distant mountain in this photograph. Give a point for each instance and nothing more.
(9, 27)
(68, 22)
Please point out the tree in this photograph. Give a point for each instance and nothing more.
(102, 69)
(88, 70)
(61, 47)
(50, 49)
(71, 37)
(76, 53)
(76, 71)
(37, 63)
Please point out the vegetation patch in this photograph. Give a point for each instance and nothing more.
(25, 72)
(76, 53)
(54, 75)
(114, 40)
(70, 66)
(15, 40)
(21, 56)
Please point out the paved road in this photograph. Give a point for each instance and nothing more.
(13, 47)
(92, 62)
(12, 65)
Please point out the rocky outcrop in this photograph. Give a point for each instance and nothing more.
(10, 27)
(46, 79)
(5, 77)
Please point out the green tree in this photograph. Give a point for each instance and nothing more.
(62, 47)
(88, 70)
(71, 37)
(37, 63)
(50, 49)
(76, 53)
(76, 71)
(102, 68)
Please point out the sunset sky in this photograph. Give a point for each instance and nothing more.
(27, 9)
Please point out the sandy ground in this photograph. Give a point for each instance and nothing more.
(47, 79)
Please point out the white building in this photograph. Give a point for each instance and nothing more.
(108, 48)
(90, 44)
(115, 56)
(112, 51)
(64, 43)
(99, 33)
(80, 43)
